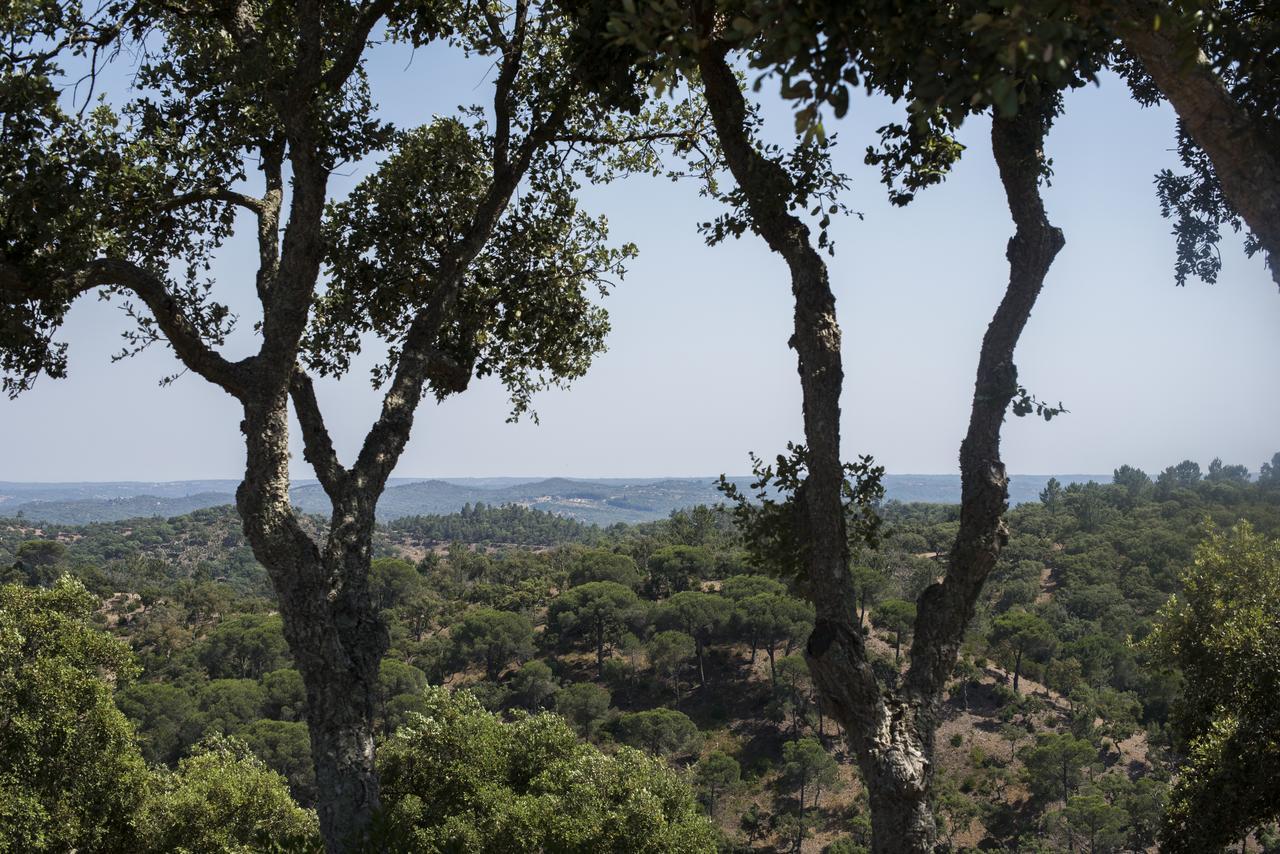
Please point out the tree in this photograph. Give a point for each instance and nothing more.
(958, 810)
(794, 828)
(673, 568)
(1222, 631)
(741, 587)
(434, 253)
(809, 768)
(583, 704)
(287, 696)
(598, 610)
(662, 732)
(1185, 475)
(1220, 473)
(600, 565)
(223, 798)
(1134, 483)
(1212, 62)
(168, 716)
(717, 773)
(460, 779)
(1216, 68)
(793, 690)
(1269, 473)
(493, 638)
(669, 652)
(286, 749)
(1055, 763)
(700, 615)
(821, 493)
(868, 582)
(245, 647)
(1100, 824)
(226, 705)
(1051, 496)
(770, 619)
(71, 776)
(1025, 634)
(897, 616)
(394, 582)
(36, 562)
(534, 685)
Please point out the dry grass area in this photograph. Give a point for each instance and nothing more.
(966, 738)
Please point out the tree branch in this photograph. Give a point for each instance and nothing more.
(182, 334)
(836, 651)
(623, 139)
(317, 445)
(345, 62)
(420, 359)
(1245, 162)
(269, 218)
(214, 194)
(945, 608)
(512, 54)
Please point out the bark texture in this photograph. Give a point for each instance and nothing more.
(1245, 161)
(890, 732)
(333, 629)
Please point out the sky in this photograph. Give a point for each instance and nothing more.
(698, 373)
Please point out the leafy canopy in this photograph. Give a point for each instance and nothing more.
(459, 778)
(1223, 632)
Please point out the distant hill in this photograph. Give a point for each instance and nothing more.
(603, 501)
(86, 510)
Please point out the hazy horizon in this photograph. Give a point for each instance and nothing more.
(530, 478)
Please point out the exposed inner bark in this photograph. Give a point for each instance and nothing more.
(890, 731)
(1246, 163)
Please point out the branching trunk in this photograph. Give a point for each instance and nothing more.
(1245, 162)
(892, 766)
(892, 736)
(334, 632)
(945, 608)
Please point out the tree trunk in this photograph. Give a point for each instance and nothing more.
(340, 671)
(333, 631)
(891, 735)
(901, 823)
(893, 767)
(1017, 670)
(1245, 162)
(702, 672)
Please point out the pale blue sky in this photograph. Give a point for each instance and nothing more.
(698, 372)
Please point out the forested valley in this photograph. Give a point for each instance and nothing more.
(557, 686)
(325, 220)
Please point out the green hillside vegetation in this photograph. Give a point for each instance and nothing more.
(564, 654)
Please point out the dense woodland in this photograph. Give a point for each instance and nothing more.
(532, 655)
